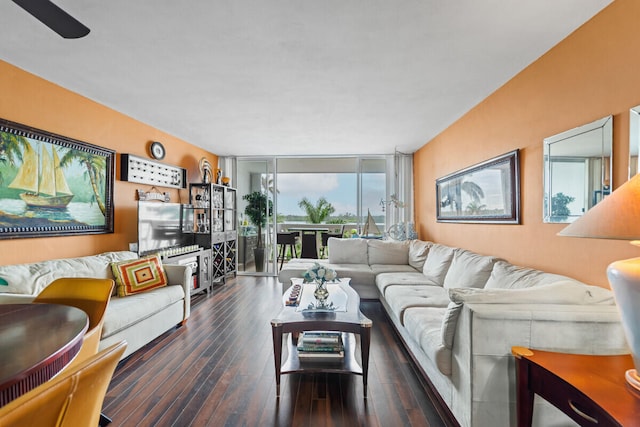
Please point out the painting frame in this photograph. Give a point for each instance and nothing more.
(495, 200)
(80, 200)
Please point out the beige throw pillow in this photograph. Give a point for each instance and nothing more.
(418, 251)
(468, 270)
(347, 251)
(388, 252)
(438, 262)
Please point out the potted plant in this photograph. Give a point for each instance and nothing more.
(258, 209)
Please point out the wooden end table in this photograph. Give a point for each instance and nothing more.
(352, 321)
(592, 390)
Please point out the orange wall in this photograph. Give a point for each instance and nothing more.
(35, 102)
(589, 75)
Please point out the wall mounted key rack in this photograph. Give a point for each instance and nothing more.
(144, 171)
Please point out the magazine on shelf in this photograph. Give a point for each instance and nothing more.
(319, 345)
(319, 337)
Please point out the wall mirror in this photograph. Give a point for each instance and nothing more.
(577, 170)
(634, 140)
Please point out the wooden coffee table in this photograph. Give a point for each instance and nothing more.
(347, 319)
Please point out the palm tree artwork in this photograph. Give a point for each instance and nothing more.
(11, 148)
(318, 212)
(452, 195)
(95, 167)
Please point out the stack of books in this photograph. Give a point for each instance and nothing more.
(320, 346)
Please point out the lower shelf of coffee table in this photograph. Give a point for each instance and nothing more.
(346, 365)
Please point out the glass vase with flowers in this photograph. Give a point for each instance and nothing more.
(320, 275)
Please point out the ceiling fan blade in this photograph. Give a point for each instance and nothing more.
(54, 17)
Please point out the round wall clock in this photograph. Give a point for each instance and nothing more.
(157, 150)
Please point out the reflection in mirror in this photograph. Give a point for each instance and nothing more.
(577, 170)
(634, 140)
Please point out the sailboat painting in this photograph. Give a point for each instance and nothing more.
(42, 177)
(51, 185)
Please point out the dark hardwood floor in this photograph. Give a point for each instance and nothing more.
(218, 370)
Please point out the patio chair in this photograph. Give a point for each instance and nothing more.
(284, 240)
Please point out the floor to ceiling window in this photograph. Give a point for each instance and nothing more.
(317, 190)
(344, 194)
(256, 208)
(373, 191)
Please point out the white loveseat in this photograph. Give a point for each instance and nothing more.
(459, 313)
(137, 318)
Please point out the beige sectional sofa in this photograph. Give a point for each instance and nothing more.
(137, 318)
(459, 313)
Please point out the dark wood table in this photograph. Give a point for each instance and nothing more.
(36, 342)
(309, 240)
(592, 390)
(350, 322)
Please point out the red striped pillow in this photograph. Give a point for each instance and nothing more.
(138, 275)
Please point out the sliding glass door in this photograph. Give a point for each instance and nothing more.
(255, 183)
(339, 195)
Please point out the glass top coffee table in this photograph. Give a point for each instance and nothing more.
(345, 317)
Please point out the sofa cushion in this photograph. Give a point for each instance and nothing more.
(399, 298)
(32, 278)
(139, 275)
(347, 251)
(418, 250)
(508, 276)
(359, 273)
(468, 270)
(122, 312)
(438, 262)
(424, 324)
(417, 319)
(383, 280)
(392, 268)
(388, 252)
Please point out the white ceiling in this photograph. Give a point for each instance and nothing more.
(284, 77)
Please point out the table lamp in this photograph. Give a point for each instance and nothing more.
(617, 216)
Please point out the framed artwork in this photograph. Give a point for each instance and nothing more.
(488, 192)
(52, 185)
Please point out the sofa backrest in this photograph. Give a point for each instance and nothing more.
(468, 270)
(32, 278)
(347, 251)
(388, 252)
(418, 251)
(567, 292)
(378, 252)
(437, 263)
(508, 276)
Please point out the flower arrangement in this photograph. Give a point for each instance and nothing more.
(320, 274)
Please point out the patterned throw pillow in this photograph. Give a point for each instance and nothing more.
(138, 275)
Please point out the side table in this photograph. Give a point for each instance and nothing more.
(591, 390)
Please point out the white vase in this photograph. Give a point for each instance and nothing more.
(624, 277)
